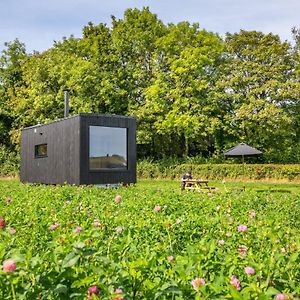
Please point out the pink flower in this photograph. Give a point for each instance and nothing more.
(9, 265)
(118, 199)
(242, 250)
(249, 271)
(197, 283)
(228, 234)
(2, 223)
(252, 214)
(157, 208)
(96, 223)
(221, 242)
(54, 226)
(242, 228)
(12, 231)
(118, 291)
(77, 229)
(93, 290)
(8, 200)
(282, 297)
(119, 229)
(235, 282)
(170, 258)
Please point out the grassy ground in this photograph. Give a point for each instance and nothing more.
(222, 186)
(229, 186)
(153, 243)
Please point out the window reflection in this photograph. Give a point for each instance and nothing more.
(108, 148)
(40, 150)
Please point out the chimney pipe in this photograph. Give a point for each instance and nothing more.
(66, 96)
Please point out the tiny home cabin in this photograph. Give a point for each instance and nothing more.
(82, 149)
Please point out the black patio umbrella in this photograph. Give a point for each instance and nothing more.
(242, 150)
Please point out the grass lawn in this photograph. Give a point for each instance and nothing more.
(228, 186)
(149, 241)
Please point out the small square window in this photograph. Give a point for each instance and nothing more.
(40, 151)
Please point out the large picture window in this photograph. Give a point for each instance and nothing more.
(108, 148)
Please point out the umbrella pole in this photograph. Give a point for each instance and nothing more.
(243, 162)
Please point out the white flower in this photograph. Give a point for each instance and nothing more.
(119, 229)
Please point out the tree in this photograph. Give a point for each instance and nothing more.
(257, 91)
(134, 40)
(192, 92)
(296, 108)
(10, 81)
(105, 71)
(177, 103)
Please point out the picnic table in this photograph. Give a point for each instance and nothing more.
(197, 184)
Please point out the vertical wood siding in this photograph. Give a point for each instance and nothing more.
(67, 158)
(108, 176)
(62, 162)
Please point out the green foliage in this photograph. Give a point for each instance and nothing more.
(193, 93)
(155, 256)
(258, 91)
(11, 81)
(9, 162)
(177, 102)
(175, 169)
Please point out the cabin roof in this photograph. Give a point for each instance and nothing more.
(79, 115)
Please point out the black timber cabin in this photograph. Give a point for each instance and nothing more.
(82, 149)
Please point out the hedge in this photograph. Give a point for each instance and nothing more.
(147, 169)
(9, 166)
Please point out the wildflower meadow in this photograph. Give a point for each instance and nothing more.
(148, 241)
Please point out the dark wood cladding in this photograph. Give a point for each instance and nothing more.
(67, 159)
(108, 176)
(61, 165)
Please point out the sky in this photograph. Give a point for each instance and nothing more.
(38, 23)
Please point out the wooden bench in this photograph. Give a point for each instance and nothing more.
(197, 184)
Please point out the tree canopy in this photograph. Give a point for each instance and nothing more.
(192, 91)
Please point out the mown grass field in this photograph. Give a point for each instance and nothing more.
(154, 242)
